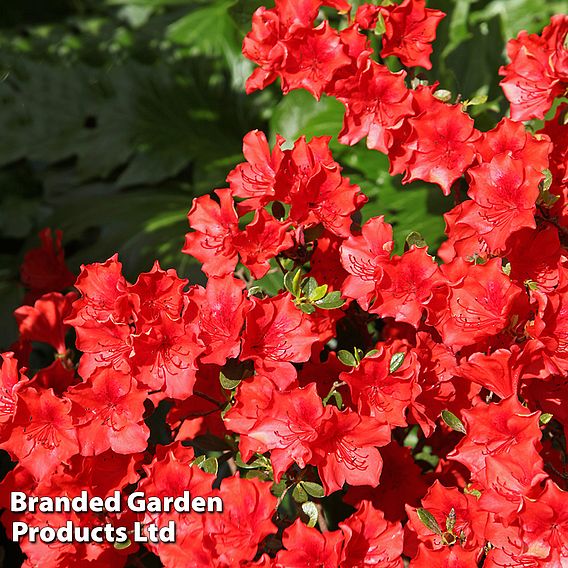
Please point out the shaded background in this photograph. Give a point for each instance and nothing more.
(114, 114)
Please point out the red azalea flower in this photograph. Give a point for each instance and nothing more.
(370, 540)
(110, 409)
(222, 309)
(345, 450)
(410, 29)
(304, 546)
(43, 434)
(43, 321)
(443, 141)
(214, 226)
(44, 269)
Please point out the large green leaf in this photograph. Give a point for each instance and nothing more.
(298, 113)
(140, 225)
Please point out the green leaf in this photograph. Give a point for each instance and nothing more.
(309, 285)
(313, 489)
(458, 28)
(292, 282)
(545, 418)
(330, 302)
(380, 27)
(227, 383)
(429, 521)
(210, 465)
(299, 494)
(318, 293)
(547, 182)
(299, 113)
(443, 95)
(307, 308)
(396, 362)
(209, 28)
(476, 101)
(451, 520)
(240, 463)
(415, 239)
(453, 421)
(474, 492)
(278, 489)
(338, 399)
(122, 545)
(347, 358)
(311, 511)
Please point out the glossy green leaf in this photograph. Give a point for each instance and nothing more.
(453, 421)
(429, 521)
(299, 494)
(396, 362)
(313, 489)
(347, 358)
(330, 302)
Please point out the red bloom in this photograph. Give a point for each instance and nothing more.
(285, 44)
(376, 101)
(380, 393)
(497, 429)
(214, 226)
(447, 557)
(234, 535)
(306, 546)
(44, 269)
(11, 381)
(102, 286)
(468, 521)
(254, 179)
(510, 137)
(44, 320)
(104, 345)
(498, 372)
(312, 58)
(402, 483)
(262, 240)
(43, 433)
(157, 292)
(406, 286)
(288, 427)
(478, 305)
(310, 181)
(370, 540)
(410, 29)
(222, 309)
(166, 356)
(535, 257)
(277, 332)
(506, 193)
(345, 450)
(443, 144)
(112, 407)
(363, 257)
(538, 72)
(508, 479)
(545, 525)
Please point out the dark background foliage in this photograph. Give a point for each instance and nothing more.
(114, 114)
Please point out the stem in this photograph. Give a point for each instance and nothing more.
(322, 523)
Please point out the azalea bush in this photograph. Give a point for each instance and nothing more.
(355, 396)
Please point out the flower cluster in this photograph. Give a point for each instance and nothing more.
(419, 398)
